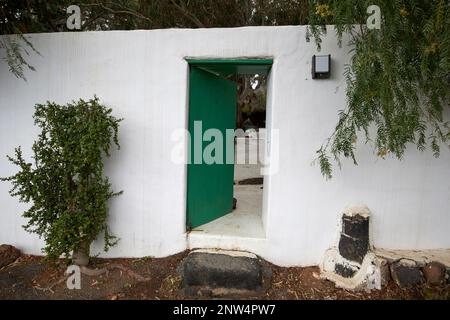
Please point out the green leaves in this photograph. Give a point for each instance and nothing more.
(325, 164)
(398, 81)
(66, 185)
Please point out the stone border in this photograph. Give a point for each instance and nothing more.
(354, 264)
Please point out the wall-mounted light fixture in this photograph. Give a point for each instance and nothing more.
(321, 66)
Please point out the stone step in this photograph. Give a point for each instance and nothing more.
(222, 269)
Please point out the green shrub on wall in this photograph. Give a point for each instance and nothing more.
(66, 185)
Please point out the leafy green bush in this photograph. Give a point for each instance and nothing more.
(66, 186)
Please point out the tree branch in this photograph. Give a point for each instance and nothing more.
(183, 9)
(124, 10)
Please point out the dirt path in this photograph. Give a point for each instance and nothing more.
(22, 279)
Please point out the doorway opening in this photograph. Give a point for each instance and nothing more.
(227, 126)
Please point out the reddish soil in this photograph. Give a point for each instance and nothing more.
(26, 278)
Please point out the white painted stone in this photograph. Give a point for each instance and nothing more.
(371, 274)
(353, 210)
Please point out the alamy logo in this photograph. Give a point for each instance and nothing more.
(374, 19)
(214, 146)
(74, 278)
(74, 20)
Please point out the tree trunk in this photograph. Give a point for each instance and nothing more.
(80, 257)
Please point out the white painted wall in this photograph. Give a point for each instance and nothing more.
(143, 76)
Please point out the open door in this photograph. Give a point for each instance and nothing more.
(212, 100)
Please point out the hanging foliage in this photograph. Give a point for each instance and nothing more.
(398, 80)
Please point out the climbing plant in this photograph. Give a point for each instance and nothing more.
(65, 184)
(398, 80)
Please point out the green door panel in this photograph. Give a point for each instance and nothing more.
(212, 100)
(226, 67)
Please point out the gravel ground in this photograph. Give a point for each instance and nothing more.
(31, 277)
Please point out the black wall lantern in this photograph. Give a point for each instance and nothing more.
(321, 66)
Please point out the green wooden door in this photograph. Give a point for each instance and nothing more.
(212, 100)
